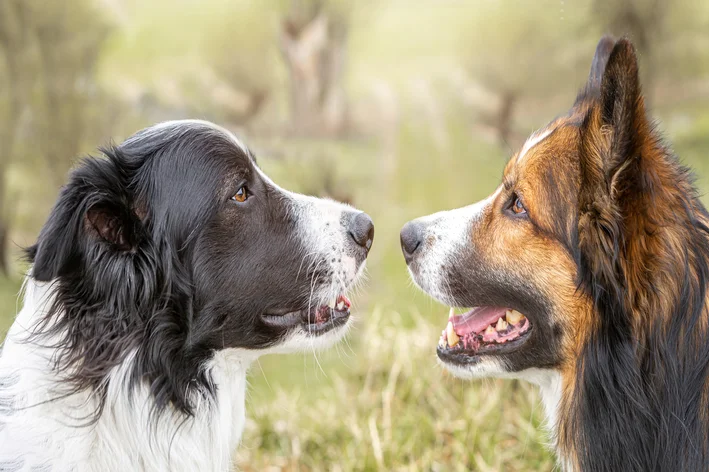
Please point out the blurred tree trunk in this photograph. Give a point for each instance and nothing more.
(13, 41)
(313, 45)
(67, 62)
(508, 101)
(644, 22)
(48, 53)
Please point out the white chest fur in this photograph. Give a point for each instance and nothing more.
(39, 431)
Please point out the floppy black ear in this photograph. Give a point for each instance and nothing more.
(93, 213)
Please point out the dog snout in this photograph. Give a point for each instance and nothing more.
(361, 230)
(411, 238)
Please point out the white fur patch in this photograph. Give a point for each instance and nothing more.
(532, 141)
(446, 234)
(549, 383)
(486, 367)
(40, 430)
(321, 227)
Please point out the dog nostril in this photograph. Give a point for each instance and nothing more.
(362, 230)
(410, 239)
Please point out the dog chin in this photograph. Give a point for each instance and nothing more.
(483, 368)
(299, 340)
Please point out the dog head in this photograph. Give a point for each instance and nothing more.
(177, 245)
(535, 257)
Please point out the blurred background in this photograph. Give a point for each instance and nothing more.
(401, 108)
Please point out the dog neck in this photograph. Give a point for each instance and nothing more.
(42, 426)
(549, 382)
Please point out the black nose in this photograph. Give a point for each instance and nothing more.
(411, 236)
(362, 230)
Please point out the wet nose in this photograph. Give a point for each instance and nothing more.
(411, 237)
(362, 230)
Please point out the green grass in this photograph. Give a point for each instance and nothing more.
(388, 406)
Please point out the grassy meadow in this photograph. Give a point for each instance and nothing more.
(419, 84)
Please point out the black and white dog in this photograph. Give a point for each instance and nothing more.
(163, 271)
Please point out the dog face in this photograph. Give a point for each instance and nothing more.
(177, 245)
(526, 257)
(508, 257)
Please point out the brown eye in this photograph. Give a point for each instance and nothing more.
(241, 195)
(518, 206)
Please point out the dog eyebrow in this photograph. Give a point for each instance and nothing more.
(507, 183)
(253, 158)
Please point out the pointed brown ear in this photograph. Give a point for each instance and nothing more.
(600, 59)
(622, 109)
(613, 132)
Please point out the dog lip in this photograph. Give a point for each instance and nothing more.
(316, 319)
(336, 320)
(274, 312)
(282, 318)
(467, 356)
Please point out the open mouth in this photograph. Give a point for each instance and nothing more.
(315, 320)
(483, 330)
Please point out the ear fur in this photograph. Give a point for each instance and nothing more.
(622, 107)
(600, 59)
(615, 126)
(612, 136)
(95, 208)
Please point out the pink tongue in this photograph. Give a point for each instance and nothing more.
(476, 320)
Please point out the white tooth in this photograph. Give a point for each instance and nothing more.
(501, 324)
(514, 316)
(452, 335)
(340, 306)
(451, 313)
(490, 330)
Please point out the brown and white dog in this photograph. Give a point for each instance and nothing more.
(588, 270)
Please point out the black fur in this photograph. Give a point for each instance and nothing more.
(640, 401)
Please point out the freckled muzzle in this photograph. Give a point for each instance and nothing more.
(326, 257)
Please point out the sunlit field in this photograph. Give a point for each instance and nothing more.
(424, 91)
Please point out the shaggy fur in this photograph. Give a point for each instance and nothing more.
(165, 268)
